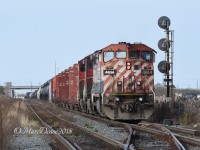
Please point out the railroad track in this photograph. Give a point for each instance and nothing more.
(61, 142)
(163, 136)
(174, 142)
(188, 136)
(179, 136)
(183, 131)
(103, 142)
(113, 125)
(129, 142)
(162, 133)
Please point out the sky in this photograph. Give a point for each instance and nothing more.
(34, 34)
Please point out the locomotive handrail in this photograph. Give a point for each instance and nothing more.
(154, 95)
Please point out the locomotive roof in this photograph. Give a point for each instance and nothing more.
(134, 46)
(123, 45)
(88, 56)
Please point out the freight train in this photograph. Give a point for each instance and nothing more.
(115, 82)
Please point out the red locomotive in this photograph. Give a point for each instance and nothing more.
(116, 81)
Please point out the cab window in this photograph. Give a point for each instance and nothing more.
(134, 54)
(121, 54)
(109, 55)
(147, 56)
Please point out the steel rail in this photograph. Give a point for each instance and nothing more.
(183, 130)
(188, 140)
(130, 131)
(63, 143)
(184, 139)
(174, 142)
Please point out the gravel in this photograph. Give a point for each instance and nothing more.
(145, 141)
(115, 133)
(31, 142)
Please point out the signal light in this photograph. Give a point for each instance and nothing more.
(128, 65)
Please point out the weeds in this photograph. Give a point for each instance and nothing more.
(96, 130)
(88, 126)
(75, 133)
(13, 113)
(191, 115)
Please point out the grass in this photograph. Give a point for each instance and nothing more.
(13, 114)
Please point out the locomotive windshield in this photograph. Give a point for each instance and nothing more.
(108, 56)
(147, 56)
(134, 54)
(121, 54)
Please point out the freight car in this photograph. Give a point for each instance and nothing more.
(116, 81)
(45, 91)
(33, 95)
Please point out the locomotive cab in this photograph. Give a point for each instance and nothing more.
(124, 87)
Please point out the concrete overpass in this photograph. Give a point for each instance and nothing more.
(9, 88)
(24, 87)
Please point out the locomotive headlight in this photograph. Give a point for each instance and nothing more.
(138, 83)
(140, 99)
(117, 99)
(119, 83)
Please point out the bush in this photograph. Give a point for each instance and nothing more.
(161, 111)
(2, 90)
(191, 115)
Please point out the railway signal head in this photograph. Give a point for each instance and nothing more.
(162, 44)
(164, 67)
(164, 22)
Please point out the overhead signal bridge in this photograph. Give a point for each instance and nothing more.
(24, 87)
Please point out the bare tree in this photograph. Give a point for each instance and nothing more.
(1, 127)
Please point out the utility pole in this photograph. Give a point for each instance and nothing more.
(58, 69)
(31, 86)
(55, 68)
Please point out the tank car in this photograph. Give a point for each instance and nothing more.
(33, 95)
(38, 93)
(45, 91)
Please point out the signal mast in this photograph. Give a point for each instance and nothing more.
(167, 45)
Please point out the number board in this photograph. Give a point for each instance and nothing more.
(109, 72)
(147, 72)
